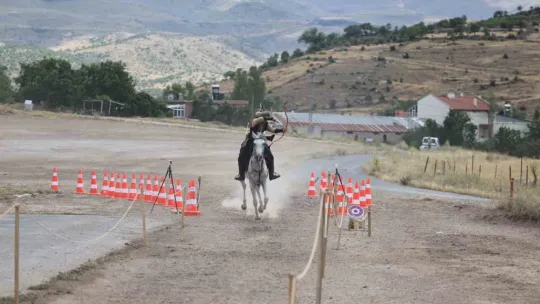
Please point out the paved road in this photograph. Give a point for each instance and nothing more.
(351, 166)
(43, 255)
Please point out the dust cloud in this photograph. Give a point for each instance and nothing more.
(279, 193)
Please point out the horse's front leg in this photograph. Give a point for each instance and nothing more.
(244, 207)
(254, 194)
(264, 186)
(261, 207)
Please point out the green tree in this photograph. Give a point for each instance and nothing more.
(455, 125)
(273, 61)
(49, 80)
(474, 27)
(6, 90)
(534, 126)
(297, 53)
(108, 78)
(285, 57)
(145, 105)
(506, 140)
(189, 91)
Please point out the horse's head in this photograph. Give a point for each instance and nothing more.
(258, 145)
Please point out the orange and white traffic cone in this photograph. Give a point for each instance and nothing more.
(125, 189)
(327, 208)
(342, 208)
(105, 186)
(324, 182)
(191, 202)
(172, 202)
(112, 188)
(162, 197)
(118, 194)
(178, 187)
(148, 192)
(80, 183)
(54, 182)
(349, 190)
(363, 195)
(369, 203)
(133, 187)
(332, 186)
(141, 182)
(93, 184)
(312, 192)
(155, 189)
(179, 197)
(356, 195)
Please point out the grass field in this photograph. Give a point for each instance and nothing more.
(466, 172)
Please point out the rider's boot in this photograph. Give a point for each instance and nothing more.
(241, 164)
(270, 164)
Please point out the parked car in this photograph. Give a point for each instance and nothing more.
(429, 143)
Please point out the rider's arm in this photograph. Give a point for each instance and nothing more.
(256, 121)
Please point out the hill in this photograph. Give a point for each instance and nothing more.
(366, 79)
(155, 60)
(47, 22)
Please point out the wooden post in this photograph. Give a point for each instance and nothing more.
(454, 166)
(527, 176)
(198, 191)
(479, 170)
(320, 271)
(425, 167)
(16, 255)
(511, 188)
(141, 198)
(339, 235)
(435, 168)
(510, 172)
(325, 231)
(292, 288)
(466, 168)
(444, 167)
(184, 196)
(472, 165)
(369, 222)
(521, 171)
(495, 171)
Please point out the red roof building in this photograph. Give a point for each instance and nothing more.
(465, 103)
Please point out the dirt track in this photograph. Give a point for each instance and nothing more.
(422, 251)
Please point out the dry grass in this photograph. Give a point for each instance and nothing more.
(455, 172)
(6, 110)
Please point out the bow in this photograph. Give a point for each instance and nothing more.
(286, 124)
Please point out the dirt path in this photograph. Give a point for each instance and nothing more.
(421, 251)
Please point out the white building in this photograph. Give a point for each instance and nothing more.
(438, 107)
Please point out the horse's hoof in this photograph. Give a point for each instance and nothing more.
(261, 210)
(257, 218)
(244, 207)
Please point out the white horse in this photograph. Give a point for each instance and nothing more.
(257, 174)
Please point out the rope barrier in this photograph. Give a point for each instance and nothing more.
(7, 211)
(93, 240)
(314, 248)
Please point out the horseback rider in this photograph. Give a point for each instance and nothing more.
(258, 125)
